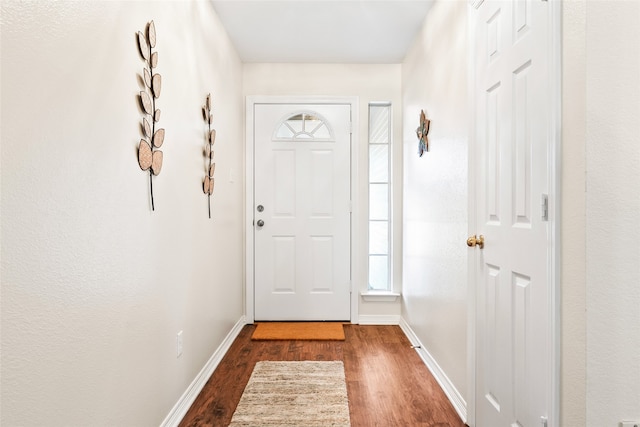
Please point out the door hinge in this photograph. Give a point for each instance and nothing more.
(543, 421)
(350, 207)
(544, 206)
(350, 127)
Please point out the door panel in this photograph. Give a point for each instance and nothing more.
(302, 179)
(512, 270)
(284, 179)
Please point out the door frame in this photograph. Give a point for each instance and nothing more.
(554, 110)
(251, 101)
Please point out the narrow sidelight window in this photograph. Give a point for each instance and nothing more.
(379, 197)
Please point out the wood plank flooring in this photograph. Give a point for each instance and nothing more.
(387, 383)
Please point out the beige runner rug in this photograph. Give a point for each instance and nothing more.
(294, 394)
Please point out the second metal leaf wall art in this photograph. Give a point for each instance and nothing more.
(149, 156)
(208, 182)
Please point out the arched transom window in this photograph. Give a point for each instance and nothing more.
(304, 125)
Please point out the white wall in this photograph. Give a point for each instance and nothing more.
(95, 286)
(600, 365)
(370, 83)
(434, 78)
(601, 213)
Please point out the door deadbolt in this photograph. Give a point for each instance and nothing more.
(260, 208)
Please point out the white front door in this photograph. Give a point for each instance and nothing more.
(512, 272)
(302, 219)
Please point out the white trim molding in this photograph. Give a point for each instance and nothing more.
(389, 319)
(438, 373)
(555, 198)
(380, 296)
(181, 407)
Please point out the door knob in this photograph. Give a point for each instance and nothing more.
(476, 241)
(260, 223)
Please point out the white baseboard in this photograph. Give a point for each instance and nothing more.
(379, 320)
(447, 386)
(180, 409)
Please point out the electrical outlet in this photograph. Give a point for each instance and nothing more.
(179, 344)
(629, 423)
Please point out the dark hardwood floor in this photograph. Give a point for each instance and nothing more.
(387, 383)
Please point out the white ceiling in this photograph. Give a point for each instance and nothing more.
(322, 31)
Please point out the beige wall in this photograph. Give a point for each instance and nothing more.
(95, 286)
(370, 83)
(573, 290)
(612, 212)
(434, 78)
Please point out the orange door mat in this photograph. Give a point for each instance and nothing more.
(327, 331)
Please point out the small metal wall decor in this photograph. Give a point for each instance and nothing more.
(149, 157)
(208, 182)
(422, 132)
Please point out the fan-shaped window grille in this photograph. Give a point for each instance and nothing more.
(304, 126)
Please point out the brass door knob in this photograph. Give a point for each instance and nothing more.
(476, 241)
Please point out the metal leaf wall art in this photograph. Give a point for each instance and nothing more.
(422, 131)
(149, 155)
(210, 139)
